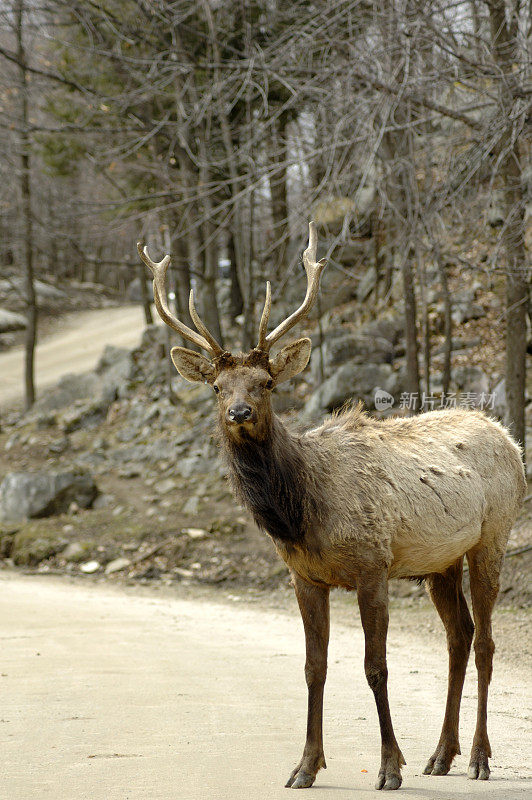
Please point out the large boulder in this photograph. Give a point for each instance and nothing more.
(351, 381)
(374, 342)
(357, 348)
(464, 307)
(87, 396)
(67, 390)
(45, 291)
(115, 369)
(25, 495)
(389, 327)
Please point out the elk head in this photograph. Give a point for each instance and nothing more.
(242, 383)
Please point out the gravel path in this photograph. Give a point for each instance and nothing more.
(108, 693)
(75, 346)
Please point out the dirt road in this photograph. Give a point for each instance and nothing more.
(74, 347)
(108, 694)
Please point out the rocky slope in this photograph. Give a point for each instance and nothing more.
(125, 476)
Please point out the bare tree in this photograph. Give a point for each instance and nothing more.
(514, 107)
(27, 214)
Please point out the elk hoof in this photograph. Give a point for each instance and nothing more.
(300, 780)
(440, 762)
(389, 776)
(305, 773)
(479, 768)
(388, 782)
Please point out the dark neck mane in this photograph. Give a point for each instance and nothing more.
(270, 479)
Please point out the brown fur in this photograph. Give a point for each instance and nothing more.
(357, 501)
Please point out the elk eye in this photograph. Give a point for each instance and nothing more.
(269, 383)
(216, 388)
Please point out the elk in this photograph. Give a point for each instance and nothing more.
(357, 501)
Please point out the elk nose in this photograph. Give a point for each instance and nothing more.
(240, 412)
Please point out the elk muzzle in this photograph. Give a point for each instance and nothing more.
(239, 413)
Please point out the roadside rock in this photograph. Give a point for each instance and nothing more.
(115, 368)
(47, 292)
(191, 506)
(67, 390)
(10, 321)
(93, 392)
(195, 533)
(151, 357)
(76, 551)
(90, 566)
(42, 494)
(117, 565)
(83, 414)
(31, 546)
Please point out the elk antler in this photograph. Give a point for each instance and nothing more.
(313, 269)
(207, 341)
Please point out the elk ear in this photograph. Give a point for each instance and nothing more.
(291, 360)
(192, 366)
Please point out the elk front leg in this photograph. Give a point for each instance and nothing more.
(314, 606)
(373, 603)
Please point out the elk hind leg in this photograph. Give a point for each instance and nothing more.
(484, 570)
(314, 606)
(446, 593)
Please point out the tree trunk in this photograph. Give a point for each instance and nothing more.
(412, 366)
(236, 302)
(279, 197)
(239, 226)
(504, 48)
(447, 322)
(27, 219)
(425, 323)
(144, 294)
(209, 302)
(396, 148)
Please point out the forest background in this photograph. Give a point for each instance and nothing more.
(215, 130)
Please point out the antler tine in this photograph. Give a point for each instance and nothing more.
(263, 327)
(214, 346)
(313, 269)
(158, 269)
